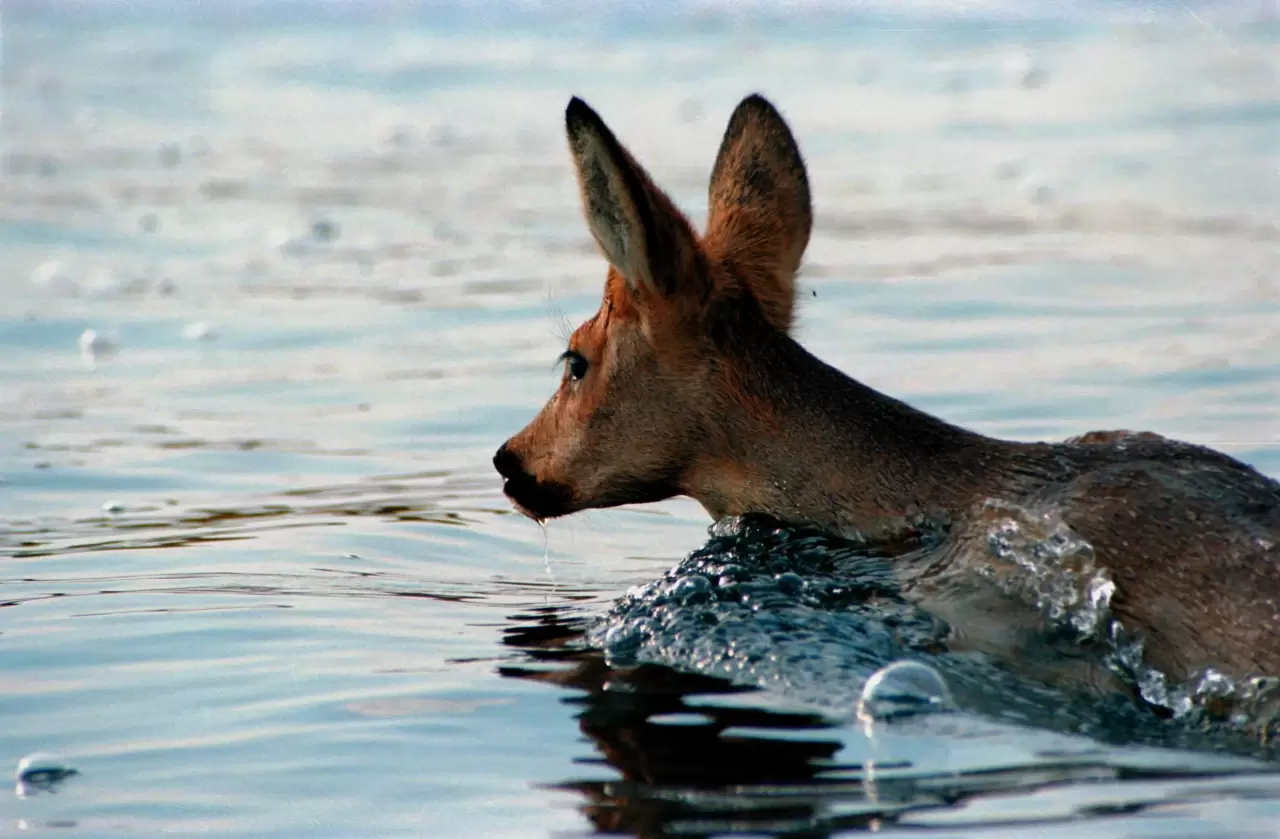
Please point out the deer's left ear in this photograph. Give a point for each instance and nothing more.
(637, 226)
(760, 213)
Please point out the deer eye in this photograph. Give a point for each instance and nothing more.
(576, 364)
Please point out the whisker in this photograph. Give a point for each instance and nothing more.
(564, 329)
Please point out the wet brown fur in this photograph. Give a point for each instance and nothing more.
(695, 388)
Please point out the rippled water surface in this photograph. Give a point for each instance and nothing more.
(258, 577)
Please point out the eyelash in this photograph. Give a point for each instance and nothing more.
(575, 360)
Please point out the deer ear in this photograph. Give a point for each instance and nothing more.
(637, 226)
(759, 210)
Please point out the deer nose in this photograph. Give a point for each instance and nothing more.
(508, 463)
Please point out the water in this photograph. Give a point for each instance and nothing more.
(259, 576)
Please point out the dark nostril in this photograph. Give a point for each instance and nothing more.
(507, 462)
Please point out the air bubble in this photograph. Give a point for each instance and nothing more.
(790, 583)
(623, 641)
(904, 689)
(691, 589)
(730, 574)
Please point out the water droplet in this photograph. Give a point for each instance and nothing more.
(103, 282)
(731, 573)
(96, 345)
(199, 331)
(546, 550)
(1023, 70)
(169, 154)
(790, 583)
(691, 589)
(726, 527)
(1036, 190)
(1009, 170)
(56, 277)
(41, 772)
(398, 136)
(324, 230)
(623, 641)
(904, 689)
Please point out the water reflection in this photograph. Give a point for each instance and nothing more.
(667, 752)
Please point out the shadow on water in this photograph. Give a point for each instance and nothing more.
(697, 757)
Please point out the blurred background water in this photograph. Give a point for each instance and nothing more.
(278, 277)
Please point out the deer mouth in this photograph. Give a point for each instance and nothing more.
(539, 500)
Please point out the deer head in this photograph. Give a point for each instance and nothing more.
(654, 378)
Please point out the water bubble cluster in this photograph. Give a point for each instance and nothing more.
(1044, 563)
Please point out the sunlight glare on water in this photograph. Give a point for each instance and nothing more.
(276, 287)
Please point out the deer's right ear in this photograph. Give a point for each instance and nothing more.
(638, 228)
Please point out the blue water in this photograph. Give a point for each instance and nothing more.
(266, 584)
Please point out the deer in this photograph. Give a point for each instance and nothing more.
(688, 382)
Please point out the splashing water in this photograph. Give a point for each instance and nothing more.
(1207, 697)
(811, 618)
(823, 623)
(763, 605)
(1046, 565)
(1050, 567)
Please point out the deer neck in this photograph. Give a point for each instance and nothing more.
(799, 440)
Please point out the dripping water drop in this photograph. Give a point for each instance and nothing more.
(546, 549)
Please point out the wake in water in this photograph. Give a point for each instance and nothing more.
(815, 620)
